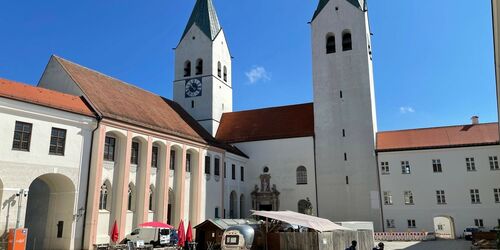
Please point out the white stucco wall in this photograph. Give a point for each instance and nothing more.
(18, 169)
(455, 180)
(282, 156)
(349, 72)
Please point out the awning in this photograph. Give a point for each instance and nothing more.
(294, 218)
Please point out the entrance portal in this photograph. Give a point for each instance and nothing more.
(444, 227)
(49, 212)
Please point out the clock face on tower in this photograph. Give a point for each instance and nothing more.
(193, 87)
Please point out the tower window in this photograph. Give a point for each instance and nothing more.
(330, 44)
(187, 68)
(192, 104)
(219, 69)
(343, 132)
(199, 66)
(346, 41)
(345, 156)
(341, 95)
(225, 73)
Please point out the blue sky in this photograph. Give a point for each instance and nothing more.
(433, 61)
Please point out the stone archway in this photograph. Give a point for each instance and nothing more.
(49, 212)
(444, 227)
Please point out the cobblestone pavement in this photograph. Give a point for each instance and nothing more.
(428, 245)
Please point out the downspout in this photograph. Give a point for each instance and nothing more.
(99, 118)
(315, 176)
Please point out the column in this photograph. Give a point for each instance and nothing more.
(144, 185)
(179, 204)
(163, 186)
(94, 188)
(199, 180)
(123, 182)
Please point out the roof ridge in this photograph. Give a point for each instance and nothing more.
(104, 75)
(428, 128)
(268, 108)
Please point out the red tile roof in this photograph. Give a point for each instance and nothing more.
(267, 124)
(124, 102)
(43, 97)
(439, 137)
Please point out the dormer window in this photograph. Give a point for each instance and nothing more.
(199, 66)
(187, 68)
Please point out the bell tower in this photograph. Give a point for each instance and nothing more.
(344, 113)
(202, 84)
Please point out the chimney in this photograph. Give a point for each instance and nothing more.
(475, 120)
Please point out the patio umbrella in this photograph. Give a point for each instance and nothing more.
(156, 224)
(114, 233)
(189, 234)
(182, 236)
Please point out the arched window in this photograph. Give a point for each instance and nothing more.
(301, 175)
(346, 41)
(151, 197)
(187, 68)
(233, 205)
(103, 198)
(219, 69)
(130, 197)
(225, 73)
(330, 44)
(302, 206)
(242, 206)
(188, 162)
(199, 66)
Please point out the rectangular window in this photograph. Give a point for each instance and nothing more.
(411, 223)
(217, 167)
(436, 166)
(441, 198)
(172, 159)
(188, 163)
(496, 192)
(474, 196)
(470, 163)
(207, 164)
(478, 222)
(385, 168)
(60, 229)
(134, 156)
(405, 167)
(22, 136)
(343, 132)
(387, 198)
(154, 157)
(494, 163)
(225, 170)
(408, 197)
(217, 213)
(109, 148)
(345, 156)
(233, 172)
(390, 223)
(57, 141)
(242, 173)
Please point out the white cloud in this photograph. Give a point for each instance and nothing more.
(406, 110)
(256, 74)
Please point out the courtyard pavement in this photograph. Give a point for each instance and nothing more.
(428, 245)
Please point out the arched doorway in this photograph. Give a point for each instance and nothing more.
(444, 227)
(242, 206)
(49, 212)
(233, 206)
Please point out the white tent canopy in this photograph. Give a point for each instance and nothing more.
(293, 218)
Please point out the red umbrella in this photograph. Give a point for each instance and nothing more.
(189, 234)
(114, 233)
(181, 234)
(156, 225)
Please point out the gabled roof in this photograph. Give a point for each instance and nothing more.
(267, 124)
(205, 17)
(43, 97)
(323, 3)
(439, 137)
(123, 102)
